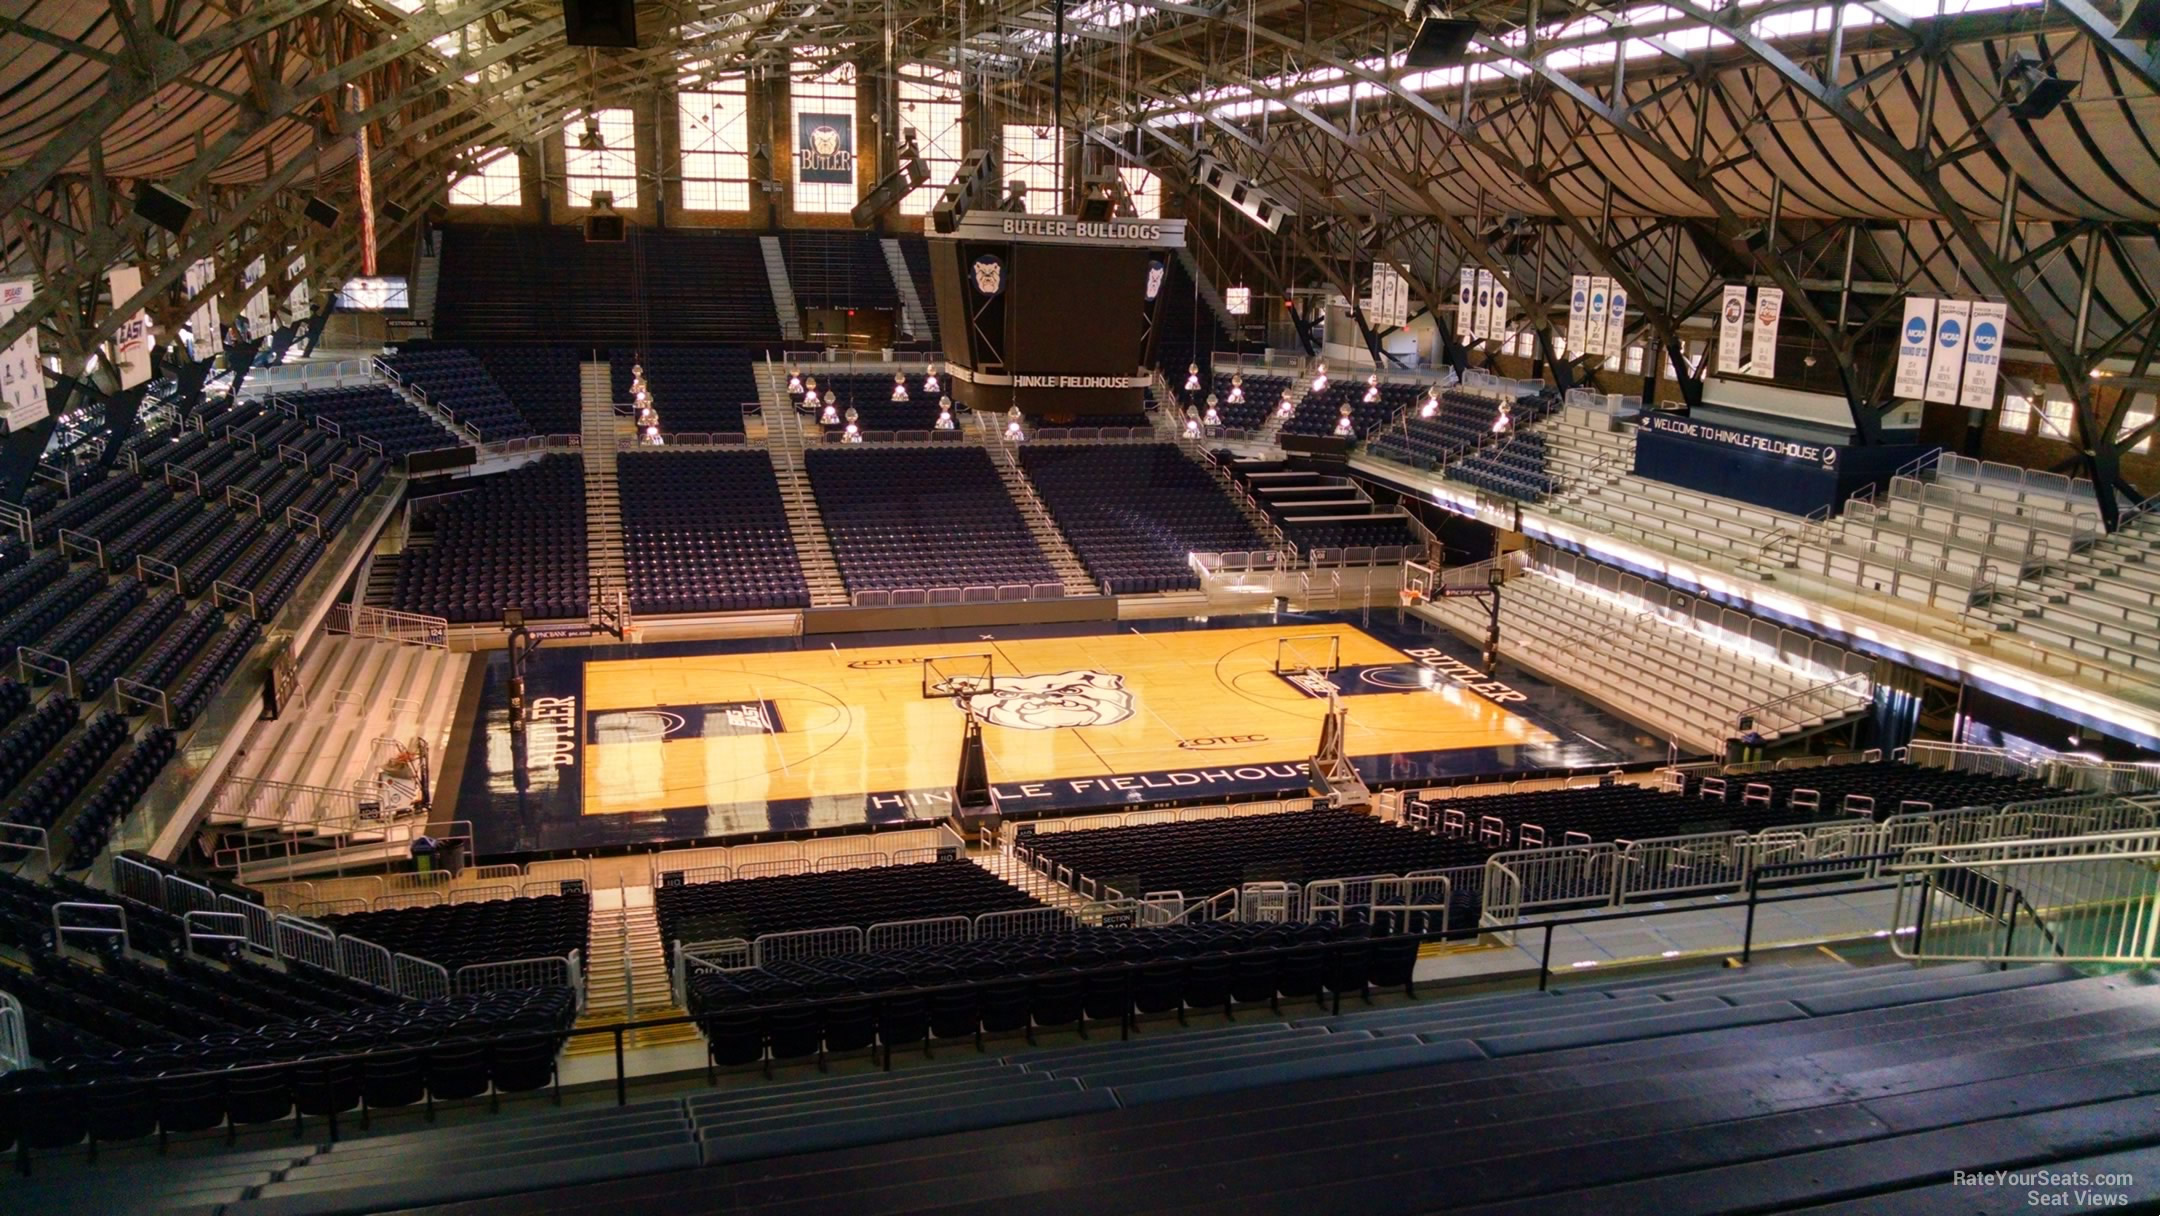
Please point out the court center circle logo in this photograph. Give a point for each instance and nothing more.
(1046, 702)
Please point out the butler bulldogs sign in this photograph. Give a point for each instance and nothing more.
(825, 148)
(1068, 230)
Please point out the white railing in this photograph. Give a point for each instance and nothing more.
(389, 625)
(301, 377)
(14, 1035)
(260, 802)
(2078, 899)
(1609, 875)
(419, 979)
(714, 863)
(547, 971)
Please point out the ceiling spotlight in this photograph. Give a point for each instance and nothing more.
(2032, 89)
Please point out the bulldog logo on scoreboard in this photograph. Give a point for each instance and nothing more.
(1155, 271)
(989, 274)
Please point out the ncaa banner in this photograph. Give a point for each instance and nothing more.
(1578, 314)
(131, 341)
(257, 308)
(1914, 338)
(1481, 312)
(1594, 340)
(1947, 361)
(1762, 347)
(204, 322)
(1983, 354)
(825, 148)
(1465, 317)
(22, 385)
(1496, 325)
(1615, 322)
(1732, 316)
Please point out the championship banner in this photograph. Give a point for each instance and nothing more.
(1732, 316)
(825, 148)
(1983, 354)
(256, 309)
(1578, 314)
(204, 323)
(1914, 338)
(1615, 322)
(296, 300)
(1947, 362)
(1465, 295)
(131, 340)
(1481, 312)
(1496, 326)
(22, 385)
(1594, 340)
(1762, 349)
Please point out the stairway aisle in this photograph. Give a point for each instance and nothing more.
(623, 925)
(914, 322)
(1052, 542)
(1212, 297)
(813, 547)
(783, 291)
(603, 505)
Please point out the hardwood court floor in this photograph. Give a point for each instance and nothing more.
(720, 729)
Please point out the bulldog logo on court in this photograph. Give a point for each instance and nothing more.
(1046, 702)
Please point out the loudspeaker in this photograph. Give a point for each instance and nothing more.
(2041, 99)
(162, 207)
(395, 213)
(1440, 42)
(1241, 192)
(600, 23)
(323, 213)
(1097, 203)
(606, 226)
(2141, 21)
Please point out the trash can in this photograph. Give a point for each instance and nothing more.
(423, 853)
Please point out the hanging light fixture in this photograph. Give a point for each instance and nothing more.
(1192, 423)
(1432, 403)
(944, 414)
(1192, 377)
(899, 386)
(1285, 407)
(929, 380)
(1212, 417)
(1342, 421)
(1319, 376)
(1237, 389)
(853, 433)
(1013, 431)
(794, 382)
(830, 416)
(1372, 389)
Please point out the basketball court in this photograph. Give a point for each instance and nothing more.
(722, 729)
(699, 741)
